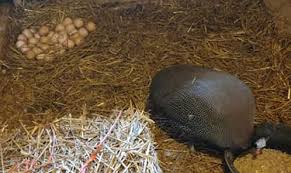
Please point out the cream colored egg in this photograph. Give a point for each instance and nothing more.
(69, 44)
(55, 38)
(70, 28)
(50, 35)
(40, 57)
(44, 39)
(73, 32)
(25, 49)
(20, 44)
(44, 47)
(37, 50)
(60, 27)
(33, 30)
(49, 58)
(75, 35)
(67, 21)
(64, 44)
(58, 46)
(22, 37)
(78, 22)
(37, 36)
(43, 30)
(63, 37)
(30, 54)
(27, 33)
(78, 41)
(32, 40)
(51, 52)
(61, 51)
(31, 46)
(83, 32)
(91, 26)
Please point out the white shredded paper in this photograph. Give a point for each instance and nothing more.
(66, 144)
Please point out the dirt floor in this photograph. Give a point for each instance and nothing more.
(113, 69)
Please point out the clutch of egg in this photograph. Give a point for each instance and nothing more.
(42, 43)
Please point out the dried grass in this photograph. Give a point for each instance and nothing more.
(131, 45)
(66, 144)
(268, 162)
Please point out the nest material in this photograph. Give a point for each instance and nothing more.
(269, 161)
(282, 16)
(130, 45)
(66, 144)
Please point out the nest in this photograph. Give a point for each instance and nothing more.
(71, 144)
(131, 43)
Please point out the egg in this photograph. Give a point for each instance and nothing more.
(58, 46)
(37, 50)
(32, 40)
(50, 35)
(31, 46)
(78, 41)
(20, 44)
(25, 49)
(40, 57)
(67, 21)
(44, 30)
(75, 35)
(91, 26)
(55, 38)
(43, 46)
(49, 58)
(69, 44)
(73, 32)
(44, 39)
(63, 37)
(78, 22)
(37, 36)
(60, 27)
(83, 32)
(61, 51)
(22, 37)
(27, 33)
(70, 29)
(30, 54)
(51, 52)
(33, 30)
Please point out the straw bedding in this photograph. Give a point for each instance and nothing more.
(66, 144)
(130, 45)
(269, 161)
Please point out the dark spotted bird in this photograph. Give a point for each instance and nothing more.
(209, 109)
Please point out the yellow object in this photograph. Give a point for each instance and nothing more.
(91, 26)
(270, 161)
(43, 30)
(78, 22)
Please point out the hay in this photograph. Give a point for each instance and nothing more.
(130, 46)
(66, 144)
(269, 161)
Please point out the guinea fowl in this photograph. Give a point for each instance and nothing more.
(209, 109)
